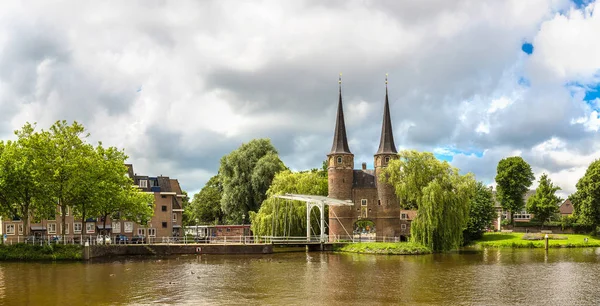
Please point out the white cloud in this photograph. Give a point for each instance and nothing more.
(215, 74)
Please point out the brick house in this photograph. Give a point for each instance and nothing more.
(166, 221)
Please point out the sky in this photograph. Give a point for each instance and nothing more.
(179, 84)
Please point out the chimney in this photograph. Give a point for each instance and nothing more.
(364, 166)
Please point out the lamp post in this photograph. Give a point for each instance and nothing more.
(196, 228)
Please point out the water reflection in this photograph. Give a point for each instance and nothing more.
(488, 277)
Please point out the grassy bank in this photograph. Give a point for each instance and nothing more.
(385, 248)
(516, 240)
(28, 252)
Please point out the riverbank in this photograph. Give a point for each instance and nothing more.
(516, 240)
(28, 252)
(384, 248)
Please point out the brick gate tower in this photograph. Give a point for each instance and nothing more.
(372, 199)
(340, 165)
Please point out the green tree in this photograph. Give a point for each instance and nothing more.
(440, 194)
(586, 200)
(513, 179)
(114, 194)
(22, 192)
(288, 218)
(246, 173)
(544, 203)
(206, 204)
(66, 152)
(481, 213)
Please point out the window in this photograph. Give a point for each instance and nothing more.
(403, 216)
(174, 217)
(77, 228)
(141, 232)
(163, 196)
(378, 202)
(152, 232)
(67, 210)
(228, 230)
(10, 229)
(52, 216)
(339, 160)
(51, 228)
(90, 227)
(66, 228)
(20, 226)
(387, 159)
(128, 227)
(143, 183)
(403, 226)
(164, 208)
(164, 224)
(363, 202)
(116, 227)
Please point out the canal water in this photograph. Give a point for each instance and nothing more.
(491, 277)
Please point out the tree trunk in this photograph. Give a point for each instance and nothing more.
(63, 212)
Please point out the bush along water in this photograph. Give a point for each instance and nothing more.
(50, 252)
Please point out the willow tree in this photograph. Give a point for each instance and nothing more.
(439, 193)
(284, 217)
(246, 174)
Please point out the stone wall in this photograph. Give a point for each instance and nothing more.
(174, 249)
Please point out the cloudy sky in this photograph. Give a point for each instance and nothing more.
(179, 84)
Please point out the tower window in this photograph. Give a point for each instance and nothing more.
(339, 160)
(378, 202)
(387, 159)
(363, 202)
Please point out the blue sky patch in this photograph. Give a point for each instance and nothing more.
(581, 3)
(527, 48)
(448, 153)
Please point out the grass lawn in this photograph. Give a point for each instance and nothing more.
(515, 240)
(385, 248)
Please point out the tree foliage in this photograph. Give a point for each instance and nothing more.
(57, 170)
(586, 200)
(206, 204)
(288, 218)
(246, 174)
(481, 213)
(440, 194)
(513, 179)
(544, 203)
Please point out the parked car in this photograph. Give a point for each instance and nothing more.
(138, 239)
(101, 239)
(121, 239)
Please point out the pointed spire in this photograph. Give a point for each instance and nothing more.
(340, 141)
(386, 144)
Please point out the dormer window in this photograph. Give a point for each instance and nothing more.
(339, 159)
(143, 184)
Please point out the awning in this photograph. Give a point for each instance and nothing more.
(38, 228)
(101, 226)
(176, 226)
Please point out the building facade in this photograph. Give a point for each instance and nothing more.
(372, 199)
(166, 221)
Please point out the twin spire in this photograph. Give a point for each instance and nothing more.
(340, 140)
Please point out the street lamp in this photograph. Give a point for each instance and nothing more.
(196, 228)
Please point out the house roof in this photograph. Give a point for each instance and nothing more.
(340, 140)
(386, 142)
(566, 208)
(364, 179)
(412, 214)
